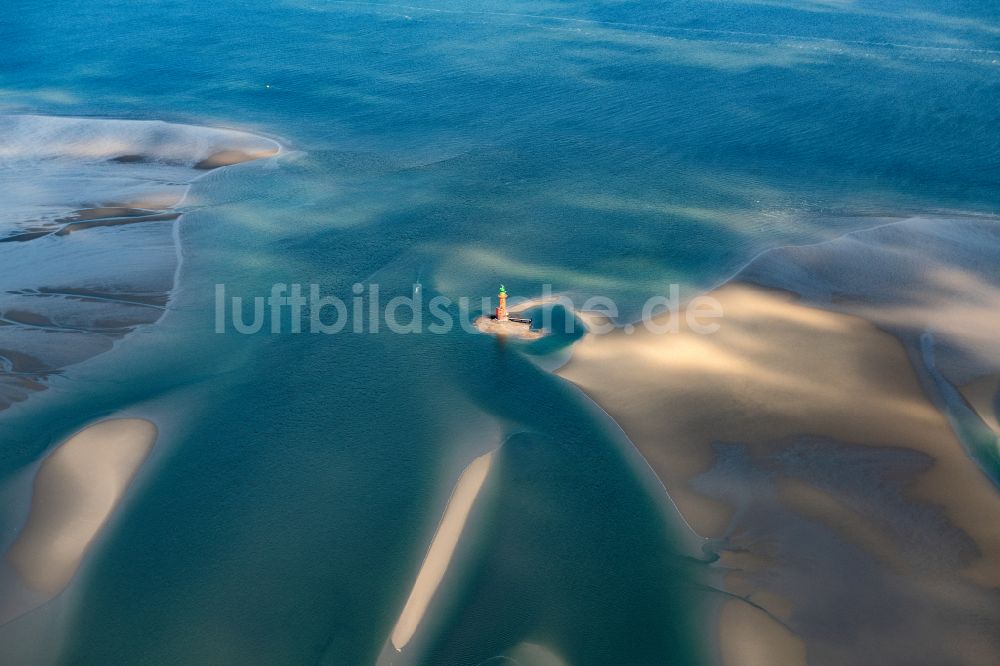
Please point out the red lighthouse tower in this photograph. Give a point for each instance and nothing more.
(501, 312)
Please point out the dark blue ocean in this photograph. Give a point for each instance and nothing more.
(602, 148)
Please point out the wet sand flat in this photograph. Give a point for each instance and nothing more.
(803, 443)
(90, 252)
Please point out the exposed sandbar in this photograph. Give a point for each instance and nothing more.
(230, 157)
(775, 368)
(442, 549)
(75, 491)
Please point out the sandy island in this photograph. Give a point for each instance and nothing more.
(487, 324)
(76, 489)
(504, 329)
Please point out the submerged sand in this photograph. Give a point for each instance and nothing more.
(75, 491)
(803, 442)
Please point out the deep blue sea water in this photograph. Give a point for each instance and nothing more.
(605, 148)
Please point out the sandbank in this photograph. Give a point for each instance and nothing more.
(441, 550)
(75, 491)
(775, 368)
(230, 157)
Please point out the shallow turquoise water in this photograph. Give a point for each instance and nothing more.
(602, 148)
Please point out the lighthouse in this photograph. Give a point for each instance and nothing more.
(501, 312)
(501, 323)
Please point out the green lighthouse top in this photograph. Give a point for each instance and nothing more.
(502, 290)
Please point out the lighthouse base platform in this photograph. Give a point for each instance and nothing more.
(515, 327)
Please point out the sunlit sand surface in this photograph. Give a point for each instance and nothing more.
(75, 491)
(775, 368)
(230, 157)
(936, 275)
(441, 550)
